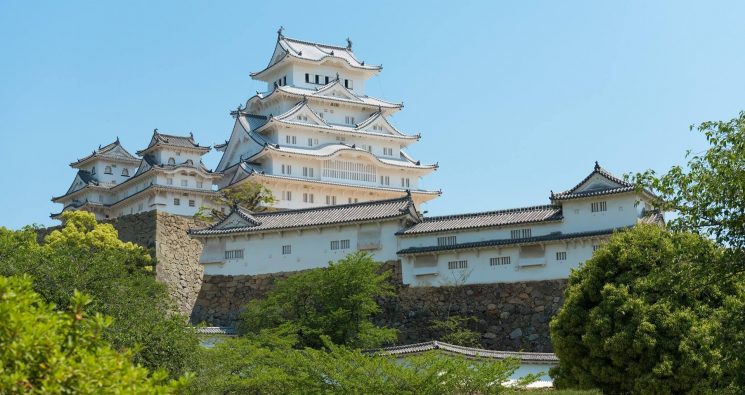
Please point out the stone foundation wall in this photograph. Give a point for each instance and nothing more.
(511, 316)
(176, 254)
(508, 316)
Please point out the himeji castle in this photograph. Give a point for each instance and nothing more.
(315, 138)
(167, 175)
(344, 182)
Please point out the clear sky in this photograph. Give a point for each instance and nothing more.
(513, 99)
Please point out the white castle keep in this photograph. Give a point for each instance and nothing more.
(339, 169)
(314, 138)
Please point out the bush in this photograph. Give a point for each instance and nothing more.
(640, 316)
(45, 351)
(246, 366)
(87, 256)
(336, 302)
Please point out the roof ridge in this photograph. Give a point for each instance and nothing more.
(313, 93)
(306, 42)
(503, 211)
(597, 170)
(322, 208)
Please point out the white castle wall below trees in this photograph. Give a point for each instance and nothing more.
(310, 248)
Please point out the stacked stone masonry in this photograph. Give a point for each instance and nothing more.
(512, 316)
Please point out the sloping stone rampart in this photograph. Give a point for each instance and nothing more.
(511, 316)
(176, 254)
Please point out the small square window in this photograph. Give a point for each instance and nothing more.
(192, 203)
(176, 201)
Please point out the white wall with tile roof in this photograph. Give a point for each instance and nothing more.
(311, 248)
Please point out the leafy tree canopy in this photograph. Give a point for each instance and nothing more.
(640, 316)
(709, 193)
(251, 196)
(87, 256)
(336, 302)
(245, 366)
(46, 351)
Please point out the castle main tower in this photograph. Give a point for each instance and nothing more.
(315, 138)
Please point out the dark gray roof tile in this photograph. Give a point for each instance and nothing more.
(317, 216)
(504, 242)
(486, 219)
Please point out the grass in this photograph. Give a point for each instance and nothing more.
(556, 392)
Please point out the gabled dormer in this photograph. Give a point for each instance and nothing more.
(237, 219)
(379, 124)
(335, 89)
(599, 182)
(301, 113)
(113, 152)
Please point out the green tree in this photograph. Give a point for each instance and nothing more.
(455, 331)
(251, 196)
(639, 316)
(244, 366)
(46, 351)
(336, 301)
(87, 256)
(708, 194)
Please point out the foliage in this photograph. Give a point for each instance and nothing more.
(456, 331)
(639, 316)
(709, 194)
(243, 366)
(337, 302)
(88, 257)
(45, 351)
(250, 195)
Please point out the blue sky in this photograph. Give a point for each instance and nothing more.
(513, 99)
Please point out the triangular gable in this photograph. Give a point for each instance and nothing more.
(229, 155)
(598, 180)
(236, 219)
(377, 123)
(144, 165)
(301, 113)
(117, 151)
(77, 184)
(336, 89)
(279, 53)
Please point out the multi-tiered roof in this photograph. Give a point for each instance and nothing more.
(313, 113)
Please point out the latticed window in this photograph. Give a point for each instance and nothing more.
(561, 256)
(454, 265)
(446, 241)
(520, 233)
(596, 207)
(286, 249)
(340, 244)
(347, 170)
(234, 254)
(500, 260)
